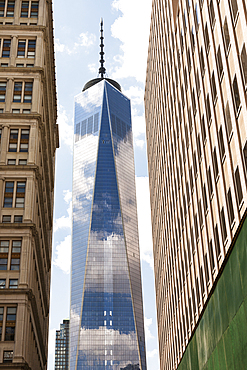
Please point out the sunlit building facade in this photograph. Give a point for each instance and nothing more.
(195, 107)
(107, 330)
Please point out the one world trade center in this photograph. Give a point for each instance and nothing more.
(106, 318)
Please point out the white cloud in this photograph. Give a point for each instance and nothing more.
(93, 68)
(135, 94)
(134, 35)
(85, 40)
(152, 353)
(63, 255)
(65, 221)
(144, 220)
(148, 323)
(59, 48)
(65, 127)
(67, 195)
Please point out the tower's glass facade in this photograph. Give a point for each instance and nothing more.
(106, 327)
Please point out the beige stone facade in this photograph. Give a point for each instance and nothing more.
(29, 138)
(195, 107)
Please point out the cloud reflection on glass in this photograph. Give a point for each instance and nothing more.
(107, 329)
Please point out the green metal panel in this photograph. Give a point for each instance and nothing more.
(220, 340)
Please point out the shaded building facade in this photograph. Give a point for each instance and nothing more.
(62, 346)
(195, 107)
(29, 138)
(106, 322)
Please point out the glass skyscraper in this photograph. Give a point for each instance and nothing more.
(106, 326)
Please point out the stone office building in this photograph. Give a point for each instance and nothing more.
(195, 104)
(29, 138)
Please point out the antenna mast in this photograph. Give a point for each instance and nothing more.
(102, 68)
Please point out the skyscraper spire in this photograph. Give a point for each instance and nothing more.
(102, 68)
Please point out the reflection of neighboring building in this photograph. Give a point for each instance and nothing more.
(196, 112)
(131, 367)
(106, 329)
(62, 347)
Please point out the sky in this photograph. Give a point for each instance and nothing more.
(126, 32)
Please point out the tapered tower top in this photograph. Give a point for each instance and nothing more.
(102, 70)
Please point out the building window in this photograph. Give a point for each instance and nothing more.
(185, 78)
(18, 219)
(230, 206)
(7, 356)
(20, 194)
(206, 38)
(2, 283)
(34, 9)
(4, 251)
(2, 91)
(195, 163)
(239, 187)
(198, 83)
(6, 48)
(8, 195)
(13, 283)
(12, 162)
(6, 219)
(211, 13)
(228, 121)
(29, 9)
(22, 162)
(19, 140)
(211, 255)
(203, 130)
(193, 99)
(219, 63)
(215, 164)
(243, 60)
(206, 267)
(21, 51)
(202, 62)
(226, 35)
(26, 49)
(217, 241)
(197, 17)
(210, 184)
(196, 227)
(185, 21)
(213, 86)
(14, 191)
(221, 144)
(199, 150)
(236, 95)
(10, 8)
(200, 213)
(223, 224)
(10, 324)
(234, 8)
(23, 92)
(28, 92)
(204, 196)
(17, 92)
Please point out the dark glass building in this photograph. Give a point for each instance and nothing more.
(62, 347)
(107, 330)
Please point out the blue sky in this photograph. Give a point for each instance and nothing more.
(126, 31)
